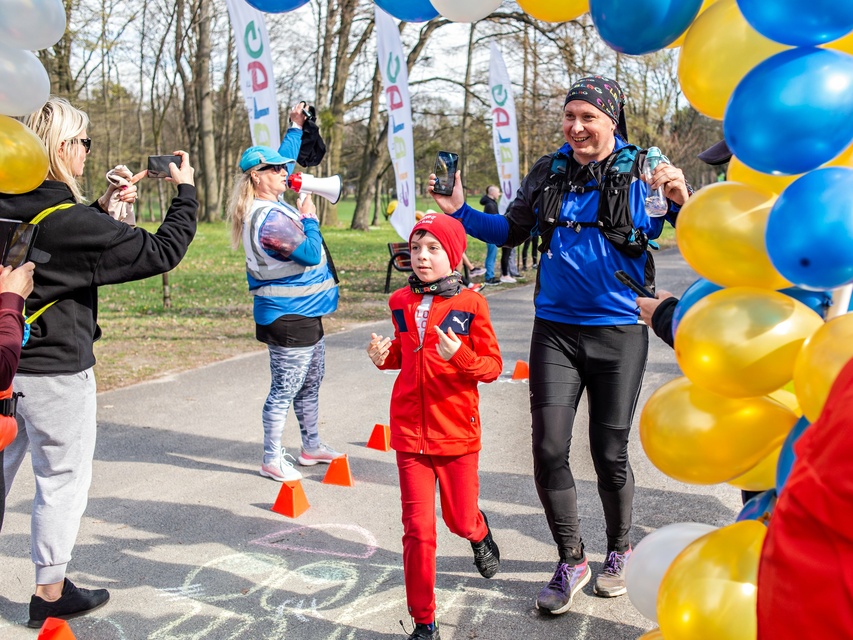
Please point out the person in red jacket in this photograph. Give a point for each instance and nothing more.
(805, 580)
(443, 345)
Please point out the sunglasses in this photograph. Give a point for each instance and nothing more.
(86, 142)
(274, 167)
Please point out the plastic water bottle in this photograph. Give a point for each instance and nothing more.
(656, 204)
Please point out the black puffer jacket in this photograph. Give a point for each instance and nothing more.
(87, 249)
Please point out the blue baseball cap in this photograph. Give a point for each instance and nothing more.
(258, 155)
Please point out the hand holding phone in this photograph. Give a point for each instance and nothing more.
(445, 172)
(158, 166)
(633, 285)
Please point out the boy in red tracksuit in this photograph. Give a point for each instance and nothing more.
(443, 345)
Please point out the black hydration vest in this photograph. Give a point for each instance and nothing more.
(612, 177)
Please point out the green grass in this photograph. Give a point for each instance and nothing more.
(210, 317)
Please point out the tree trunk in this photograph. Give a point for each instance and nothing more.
(212, 209)
(374, 143)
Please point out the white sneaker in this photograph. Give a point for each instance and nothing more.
(323, 453)
(478, 271)
(508, 279)
(280, 470)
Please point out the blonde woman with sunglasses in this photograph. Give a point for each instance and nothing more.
(57, 413)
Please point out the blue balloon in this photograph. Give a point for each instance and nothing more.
(787, 457)
(792, 22)
(694, 293)
(276, 6)
(759, 508)
(778, 99)
(810, 230)
(817, 301)
(409, 10)
(636, 27)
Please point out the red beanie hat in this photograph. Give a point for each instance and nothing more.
(449, 232)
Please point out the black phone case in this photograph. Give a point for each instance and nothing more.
(446, 189)
(633, 285)
(158, 166)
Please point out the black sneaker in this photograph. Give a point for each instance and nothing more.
(72, 603)
(494, 280)
(487, 556)
(424, 631)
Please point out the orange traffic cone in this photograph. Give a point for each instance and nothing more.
(380, 439)
(291, 501)
(522, 371)
(339, 473)
(55, 629)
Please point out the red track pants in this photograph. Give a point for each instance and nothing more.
(459, 489)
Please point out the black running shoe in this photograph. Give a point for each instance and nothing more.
(72, 603)
(424, 631)
(487, 556)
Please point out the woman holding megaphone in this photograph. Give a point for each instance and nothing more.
(294, 284)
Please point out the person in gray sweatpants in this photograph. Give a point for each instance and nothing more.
(57, 416)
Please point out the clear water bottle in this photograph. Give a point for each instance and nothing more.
(656, 204)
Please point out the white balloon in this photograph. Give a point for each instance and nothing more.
(31, 24)
(24, 84)
(465, 10)
(651, 558)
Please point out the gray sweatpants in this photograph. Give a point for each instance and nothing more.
(56, 422)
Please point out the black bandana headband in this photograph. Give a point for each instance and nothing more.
(604, 94)
(446, 287)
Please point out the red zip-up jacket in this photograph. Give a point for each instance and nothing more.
(434, 406)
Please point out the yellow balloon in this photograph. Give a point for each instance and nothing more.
(23, 158)
(739, 172)
(654, 634)
(719, 50)
(554, 11)
(819, 362)
(844, 44)
(786, 397)
(720, 232)
(762, 476)
(709, 590)
(699, 437)
(742, 342)
(680, 41)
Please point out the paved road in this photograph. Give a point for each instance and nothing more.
(179, 526)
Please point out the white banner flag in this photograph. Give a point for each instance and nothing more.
(504, 129)
(395, 80)
(256, 73)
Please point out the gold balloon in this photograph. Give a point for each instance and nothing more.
(820, 361)
(680, 41)
(553, 11)
(786, 397)
(739, 172)
(742, 342)
(720, 232)
(762, 476)
(719, 50)
(23, 158)
(844, 44)
(699, 437)
(709, 590)
(654, 634)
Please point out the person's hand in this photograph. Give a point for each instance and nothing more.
(306, 206)
(451, 203)
(648, 306)
(129, 193)
(378, 349)
(18, 280)
(184, 173)
(672, 180)
(448, 343)
(124, 185)
(297, 117)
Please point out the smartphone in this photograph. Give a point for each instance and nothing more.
(158, 166)
(633, 285)
(559, 164)
(445, 172)
(16, 242)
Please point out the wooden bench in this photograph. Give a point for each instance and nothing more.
(401, 260)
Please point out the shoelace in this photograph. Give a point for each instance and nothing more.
(614, 563)
(284, 459)
(561, 576)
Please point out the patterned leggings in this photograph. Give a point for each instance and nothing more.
(296, 374)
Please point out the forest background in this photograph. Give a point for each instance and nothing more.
(160, 75)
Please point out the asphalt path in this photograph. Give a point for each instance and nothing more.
(179, 525)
